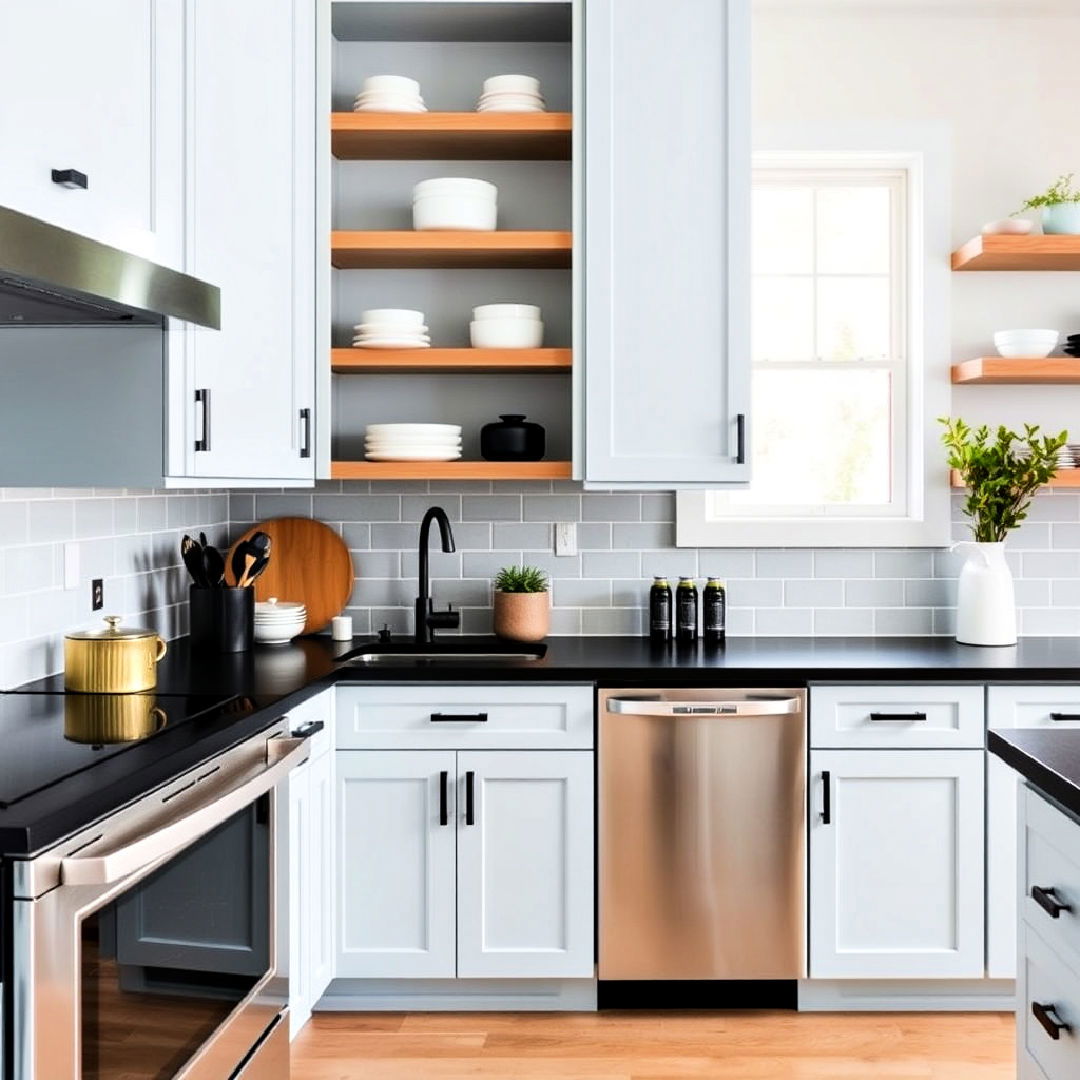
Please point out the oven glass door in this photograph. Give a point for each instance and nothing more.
(166, 964)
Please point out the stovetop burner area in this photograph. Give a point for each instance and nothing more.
(46, 738)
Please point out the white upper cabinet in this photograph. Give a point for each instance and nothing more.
(242, 398)
(95, 88)
(896, 864)
(666, 278)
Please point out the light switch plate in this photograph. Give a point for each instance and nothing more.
(566, 538)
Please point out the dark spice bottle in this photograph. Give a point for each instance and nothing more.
(660, 610)
(686, 604)
(714, 612)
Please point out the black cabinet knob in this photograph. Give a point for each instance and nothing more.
(1051, 1023)
(1049, 901)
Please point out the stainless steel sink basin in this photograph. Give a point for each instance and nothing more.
(404, 654)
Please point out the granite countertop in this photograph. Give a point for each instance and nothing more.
(267, 682)
(1049, 759)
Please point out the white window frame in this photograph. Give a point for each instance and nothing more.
(920, 514)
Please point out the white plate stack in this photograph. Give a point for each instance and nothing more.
(412, 442)
(506, 326)
(455, 202)
(511, 93)
(389, 93)
(391, 328)
(277, 622)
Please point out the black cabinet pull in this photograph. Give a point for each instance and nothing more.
(459, 718)
(1047, 899)
(1052, 1024)
(71, 178)
(826, 797)
(202, 397)
(305, 446)
(305, 731)
(886, 717)
(740, 438)
(1064, 716)
(444, 813)
(470, 804)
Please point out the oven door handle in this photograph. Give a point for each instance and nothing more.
(181, 829)
(778, 706)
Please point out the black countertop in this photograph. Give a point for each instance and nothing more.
(217, 701)
(1049, 759)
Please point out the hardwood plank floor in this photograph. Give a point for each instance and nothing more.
(656, 1046)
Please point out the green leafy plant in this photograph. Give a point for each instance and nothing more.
(1001, 473)
(521, 579)
(1062, 190)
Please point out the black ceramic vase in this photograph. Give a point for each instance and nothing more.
(512, 439)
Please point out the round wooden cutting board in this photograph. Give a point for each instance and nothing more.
(309, 564)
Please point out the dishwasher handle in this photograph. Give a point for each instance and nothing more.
(780, 706)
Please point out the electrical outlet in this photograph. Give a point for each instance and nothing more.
(566, 538)
(97, 594)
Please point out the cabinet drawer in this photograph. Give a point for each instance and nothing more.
(1050, 873)
(1050, 997)
(1033, 706)
(897, 716)
(477, 717)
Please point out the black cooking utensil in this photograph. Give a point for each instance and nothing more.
(215, 565)
(194, 560)
(258, 547)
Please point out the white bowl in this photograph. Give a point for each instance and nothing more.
(456, 185)
(395, 84)
(404, 99)
(413, 455)
(1008, 227)
(1025, 352)
(390, 343)
(506, 311)
(397, 316)
(510, 97)
(1011, 337)
(264, 635)
(389, 108)
(513, 84)
(408, 427)
(506, 333)
(455, 212)
(511, 108)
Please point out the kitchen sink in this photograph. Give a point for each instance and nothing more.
(487, 652)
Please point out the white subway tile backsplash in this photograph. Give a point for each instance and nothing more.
(613, 508)
(903, 564)
(903, 621)
(873, 593)
(551, 508)
(813, 593)
(491, 508)
(780, 622)
(844, 622)
(784, 564)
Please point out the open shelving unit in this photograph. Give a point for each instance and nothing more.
(378, 261)
(450, 250)
(1000, 371)
(1014, 252)
(450, 136)
(429, 361)
(1066, 478)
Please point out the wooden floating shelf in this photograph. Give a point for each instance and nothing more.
(451, 470)
(1018, 253)
(451, 136)
(384, 250)
(450, 361)
(1066, 478)
(990, 370)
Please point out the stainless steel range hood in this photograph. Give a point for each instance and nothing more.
(52, 277)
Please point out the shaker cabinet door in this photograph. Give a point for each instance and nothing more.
(665, 246)
(395, 865)
(896, 864)
(525, 864)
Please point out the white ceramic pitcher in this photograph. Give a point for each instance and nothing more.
(986, 601)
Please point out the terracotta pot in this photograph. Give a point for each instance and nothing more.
(522, 616)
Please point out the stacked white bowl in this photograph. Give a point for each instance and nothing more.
(412, 442)
(511, 93)
(506, 326)
(455, 202)
(1029, 344)
(391, 328)
(277, 622)
(389, 93)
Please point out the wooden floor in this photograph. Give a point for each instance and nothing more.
(656, 1046)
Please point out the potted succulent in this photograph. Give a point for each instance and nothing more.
(522, 603)
(1060, 206)
(1002, 474)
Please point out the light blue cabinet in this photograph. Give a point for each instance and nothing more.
(666, 212)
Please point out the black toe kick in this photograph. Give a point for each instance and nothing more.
(699, 994)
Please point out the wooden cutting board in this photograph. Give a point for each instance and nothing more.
(309, 564)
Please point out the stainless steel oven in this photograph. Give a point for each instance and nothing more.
(144, 946)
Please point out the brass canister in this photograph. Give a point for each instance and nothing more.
(113, 660)
(101, 719)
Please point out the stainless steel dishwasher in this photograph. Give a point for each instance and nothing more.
(702, 834)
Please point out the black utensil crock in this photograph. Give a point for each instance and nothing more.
(222, 620)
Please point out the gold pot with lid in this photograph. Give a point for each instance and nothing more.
(116, 660)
